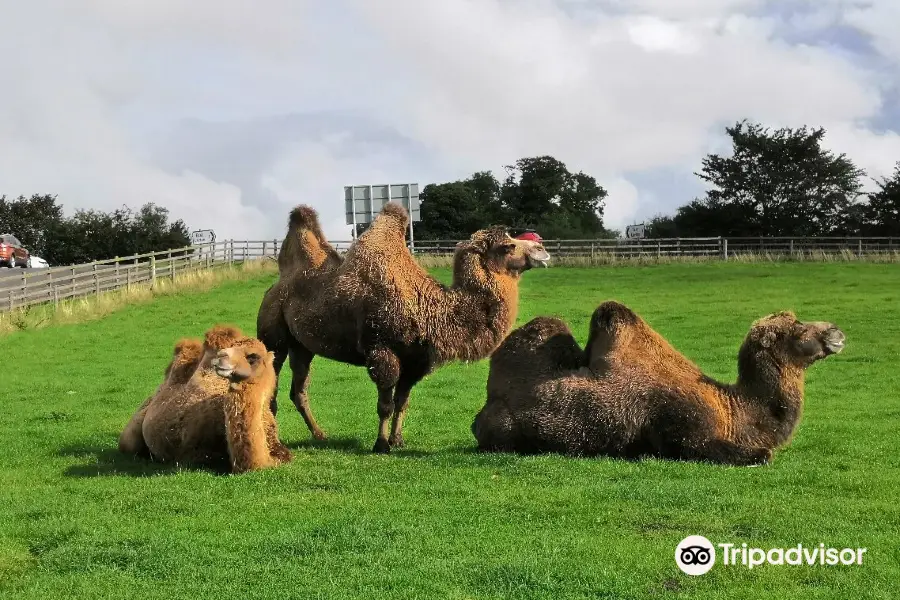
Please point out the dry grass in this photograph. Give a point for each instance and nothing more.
(89, 308)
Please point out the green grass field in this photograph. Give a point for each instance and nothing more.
(436, 520)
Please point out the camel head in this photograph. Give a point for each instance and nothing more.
(497, 252)
(245, 360)
(792, 342)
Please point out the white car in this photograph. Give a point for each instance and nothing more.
(36, 262)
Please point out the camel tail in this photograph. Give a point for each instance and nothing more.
(305, 246)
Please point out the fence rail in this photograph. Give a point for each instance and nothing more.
(19, 290)
(27, 288)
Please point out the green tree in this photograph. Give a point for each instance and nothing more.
(883, 210)
(33, 220)
(456, 209)
(541, 192)
(781, 182)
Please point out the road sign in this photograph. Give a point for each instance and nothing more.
(634, 232)
(362, 203)
(203, 236)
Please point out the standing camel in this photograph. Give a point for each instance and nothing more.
(380, 309)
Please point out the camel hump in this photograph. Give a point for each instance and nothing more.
(305, 246)
(611, 314)
(396, 210)
(220, 337)
(304, 217)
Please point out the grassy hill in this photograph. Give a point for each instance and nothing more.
(436, 520)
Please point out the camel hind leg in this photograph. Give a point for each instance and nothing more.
(401, 402)
(131, 440)
(300, 359)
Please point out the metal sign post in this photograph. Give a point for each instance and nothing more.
(362, 203)
(635, 232)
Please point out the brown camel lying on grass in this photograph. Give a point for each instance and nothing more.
(631, 394)
(379, 309)
(212, 407)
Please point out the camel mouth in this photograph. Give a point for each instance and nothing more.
(834, 341)
(222, 366)
(539, 258)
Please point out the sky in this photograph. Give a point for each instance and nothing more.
(229, 114)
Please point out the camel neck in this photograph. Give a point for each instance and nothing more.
(244, 424)
(482, 308)
(771, 392)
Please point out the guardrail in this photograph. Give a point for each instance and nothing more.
(18, 290)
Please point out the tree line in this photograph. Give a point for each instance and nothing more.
(780, 182)
(88, 235)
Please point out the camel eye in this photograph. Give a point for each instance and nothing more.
(253, 358)
(507, 248)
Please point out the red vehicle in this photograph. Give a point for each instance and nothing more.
(12, 252)
(527, 234)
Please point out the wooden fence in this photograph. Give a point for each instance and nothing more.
(24, 289)
(699, 247)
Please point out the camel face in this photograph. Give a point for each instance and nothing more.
(243, 361)
(500, 253)
(795, 342)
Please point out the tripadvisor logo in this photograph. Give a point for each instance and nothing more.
(696, 555)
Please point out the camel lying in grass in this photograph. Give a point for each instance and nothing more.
(212, 407)
(380, 309)
(631, 394)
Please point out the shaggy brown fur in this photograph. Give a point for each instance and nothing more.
(184, 362)
(207, 413)
(304, 249)
(630, 394)
(381, 310)
(305, 246)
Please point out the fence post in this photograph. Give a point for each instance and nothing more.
(246, 251)
(859, 247)
(128, 279)
(50, 286)
(55, 298)
(230, 252)
(723, 242)
(117, 272)
(96, 281)
(74, 291)
(592, 253)
(24, 290)
(275, 242)
(153, 272)
(791, 248)
(11, 305)
(265, 249)
(171, 266)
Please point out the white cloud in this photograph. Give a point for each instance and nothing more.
(439, 89)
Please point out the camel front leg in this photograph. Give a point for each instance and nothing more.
(725, 452)
(401, 403)
(277, 450)
(384, 370)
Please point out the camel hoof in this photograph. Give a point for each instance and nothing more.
(381, 446)
(320, 435)
(396, 441)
